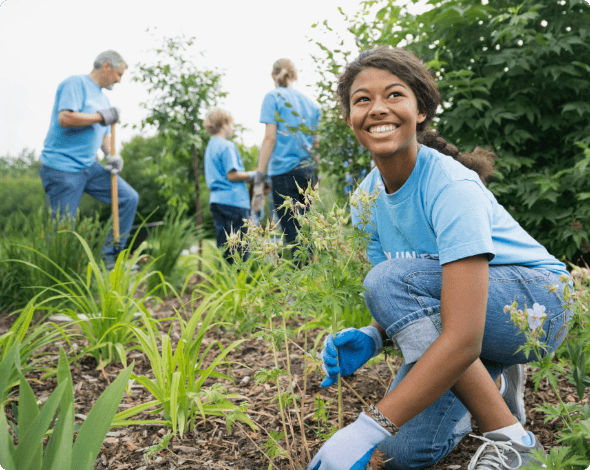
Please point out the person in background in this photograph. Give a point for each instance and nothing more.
(286, 154)
(79, 126)
(229, 200)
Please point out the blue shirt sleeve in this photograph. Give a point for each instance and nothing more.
(269, 107)
(230, 159)
(462, 218)
(71, 96)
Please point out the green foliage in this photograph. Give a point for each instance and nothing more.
(34, 424)
(179, 376)
(30, 343)
(180, 94)
(575, 453)
(38, 251)
(103, 303)
(513, 76)
(167, 242)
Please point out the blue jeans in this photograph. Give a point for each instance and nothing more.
(284, 186)
(64, 189)
(404, 298)
(228, 219)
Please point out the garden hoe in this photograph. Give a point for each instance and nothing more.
(114, 193)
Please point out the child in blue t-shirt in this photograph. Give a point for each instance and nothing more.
(447, 258)
(229, 200)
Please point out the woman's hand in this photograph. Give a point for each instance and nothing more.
(350, 448)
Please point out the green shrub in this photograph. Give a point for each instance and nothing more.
(514, 77)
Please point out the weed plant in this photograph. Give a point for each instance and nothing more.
(179, 376)
(322, 285)
(233, 285)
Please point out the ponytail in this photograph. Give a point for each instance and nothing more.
(479, 160)
(284, 72)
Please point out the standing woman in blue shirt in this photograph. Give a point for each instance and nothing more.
(286, 154)
(229, 200)
(447, 259)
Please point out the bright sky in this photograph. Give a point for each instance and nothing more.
(42, 42)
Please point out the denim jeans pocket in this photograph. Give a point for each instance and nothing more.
(557, 330)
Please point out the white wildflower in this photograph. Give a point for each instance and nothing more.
(536, 316)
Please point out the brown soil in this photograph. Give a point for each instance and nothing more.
(211, 447)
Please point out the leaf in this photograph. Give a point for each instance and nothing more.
(98, 422)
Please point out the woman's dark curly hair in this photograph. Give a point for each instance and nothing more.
(411, 69)
(403, 64)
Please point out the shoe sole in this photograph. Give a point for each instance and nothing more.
(517, 375)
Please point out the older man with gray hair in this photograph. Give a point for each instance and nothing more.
(80, 125)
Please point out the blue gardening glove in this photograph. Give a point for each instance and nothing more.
(114, 164)
(355, 347)
(350, 448)
(109, 115)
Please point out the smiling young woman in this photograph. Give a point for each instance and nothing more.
(447, 258)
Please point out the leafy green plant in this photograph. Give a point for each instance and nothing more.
(167, 243)
(41, 250)
(30, 341)
(103, 303)
(33, 424)
(179, 376)
(233, 284)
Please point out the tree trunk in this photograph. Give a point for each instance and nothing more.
(198, 203)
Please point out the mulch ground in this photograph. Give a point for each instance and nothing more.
(211, 447)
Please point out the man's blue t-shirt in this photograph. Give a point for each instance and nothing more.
(222, 156)
(74, 148)
(294, 109)
(443, 211)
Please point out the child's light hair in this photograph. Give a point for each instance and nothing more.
(284, 72)
(215, 119)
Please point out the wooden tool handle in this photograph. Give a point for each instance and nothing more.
(114, 192)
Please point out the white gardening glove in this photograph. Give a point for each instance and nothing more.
(114, 164)
(350, 448)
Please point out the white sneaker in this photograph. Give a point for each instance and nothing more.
(498, 452)
(512, 390)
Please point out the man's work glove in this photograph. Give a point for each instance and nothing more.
(109, 115)
(259, 177)
(355, 347)
(350, 448)
(114, 164)
(257, 198)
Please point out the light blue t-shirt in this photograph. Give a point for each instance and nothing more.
(443, 211)
(294, 109)
(222, 156)
(74, 148)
